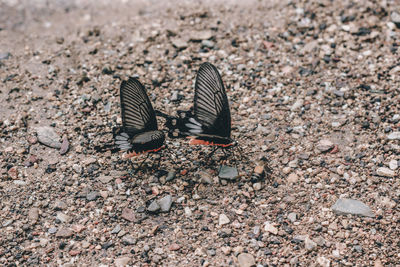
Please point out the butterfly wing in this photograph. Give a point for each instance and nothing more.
(137, 112)
(211, 107)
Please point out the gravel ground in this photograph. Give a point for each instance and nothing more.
(314, 94)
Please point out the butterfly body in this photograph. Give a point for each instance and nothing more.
(209, 121)
(139, 133)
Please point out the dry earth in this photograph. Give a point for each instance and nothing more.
(314, 94)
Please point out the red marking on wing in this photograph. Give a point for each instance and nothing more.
(133, 153)
(194, 141)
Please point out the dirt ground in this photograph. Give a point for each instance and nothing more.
(314, 95)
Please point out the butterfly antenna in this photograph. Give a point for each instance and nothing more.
(138, 168)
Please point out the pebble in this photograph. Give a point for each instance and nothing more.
(188, 212)
(63, 217)
(128, 240)
(385, 172)
(33, 215)
(128, 215)
(394, 136)
(92, 195)
(122, 261)
(47, 136)
(246, 260)
(268, 227)
(228, 173)
(395, 17)
(324, 145)
(223, 219)
(170, 176)
(105, 179)
(323, 262)
(309, 244)
(13, 173)
(297, 105)
(292, 178)
(77, 168)
(52, 230)
(292, 217)
(174, 247)
(116, 229)
(207, 43)
(257, 186)
(154, 206)
(201, 35)
(393, 164)
(165, 203)
(351, 206)
(64, 233)
(64, 146)
(19, 182)
(180, 44)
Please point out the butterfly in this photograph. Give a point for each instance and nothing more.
(209, 121)
(139, 133)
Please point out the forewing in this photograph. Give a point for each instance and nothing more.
(211, 107)
(137, 112)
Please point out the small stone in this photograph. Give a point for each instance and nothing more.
(246, 260)
(129, 240)
(228, 173)
(174, 247)
(77, 168)
(378, 263)
(64, 146)
(292, 178)
(116, 229)
(13, 172)
(268, 227)
(292, 217)
(47, 136)
(33, 215)
(85, 244)
(8, 149)
(77, 228)
(259, 169)
(188, 212)
(336, 253)
(165, 203)
(207, 43)
(383, 171)
(241, 67)
(201, 35)
(323, 262)
(351, 206)
(223, 219)
(394, 136)
(63, 217)
(52, 230)
(297, 105)
(205, 177)
(64, 233)
(122, 261)
(92, 195)
(325, 145)
(257, 186)
(395, 17)
(74, 252)
(179, 43)
(128, 215)
(226, 250)
(153, 207)
(20, 182)
(393, 165)
(170, 176)
(309, 244)
(105, 179)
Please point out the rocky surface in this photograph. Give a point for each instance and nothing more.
(314, 95)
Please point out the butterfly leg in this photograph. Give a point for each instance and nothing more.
(138, 168)
(211, 154)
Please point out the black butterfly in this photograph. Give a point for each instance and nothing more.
(209, 121)
(139, 133)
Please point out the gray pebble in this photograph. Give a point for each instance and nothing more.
(351, 206)
(92, 195)
(165, 203)
(47, 136)
(153, 207)
(228, 173)
(116, 229)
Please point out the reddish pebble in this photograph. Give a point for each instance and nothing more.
(13, 172)
(74, 252)
(32, 140)
(118, 181)
(335, 149)
(87, 109)
(174, 247)
(184, 172)
(8, 149)
(78, 228)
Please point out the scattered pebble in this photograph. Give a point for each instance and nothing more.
(246, 260)
(128, 215)
(223, 219)
(325, 145)
(385, 172)
(394, 136)
(268, 227)
(47, 136)
(122, 261)
(228, 173)
(64, 233)
(351, 206)
(154, 206)
(165, 203)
